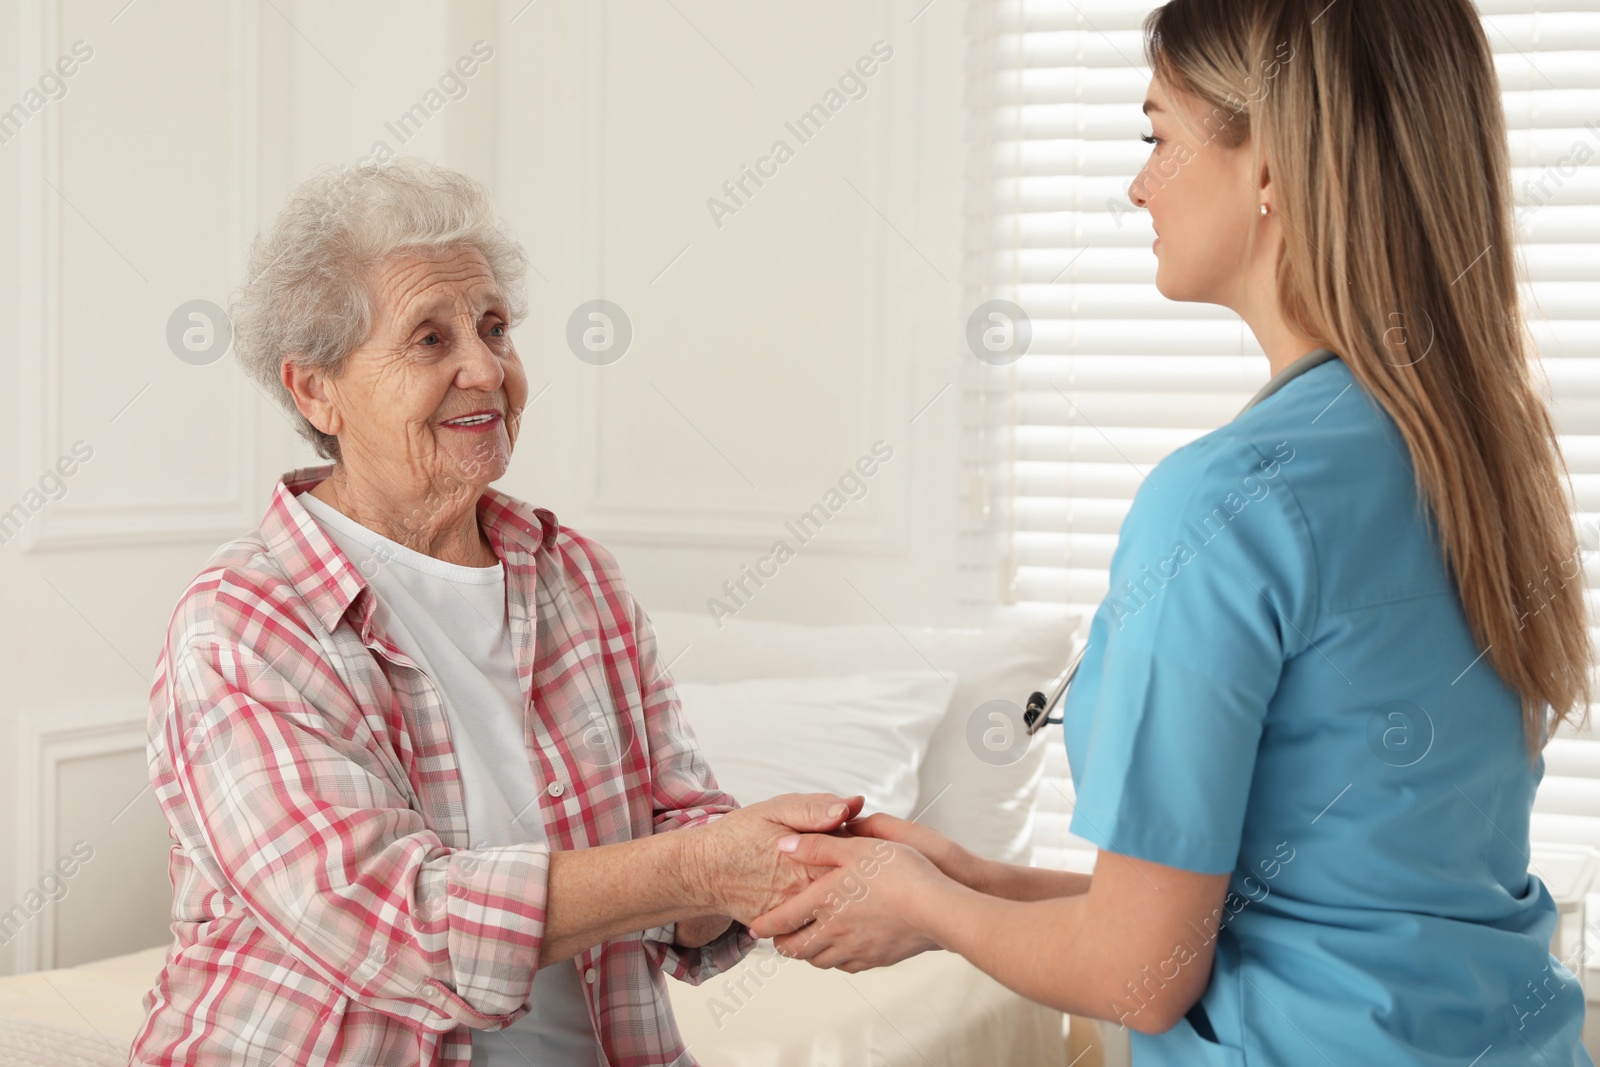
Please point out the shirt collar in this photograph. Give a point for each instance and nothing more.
(1314, 358)
(330, 583)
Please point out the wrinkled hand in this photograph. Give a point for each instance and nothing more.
(700, 930)
(738, 867)
(861, 914)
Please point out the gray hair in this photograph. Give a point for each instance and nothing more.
(306, 296)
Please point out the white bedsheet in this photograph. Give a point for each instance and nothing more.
(934, 1010)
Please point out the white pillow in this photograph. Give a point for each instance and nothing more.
(985, 806)
(859, 733)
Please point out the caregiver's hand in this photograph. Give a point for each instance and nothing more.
(735, 866)
(956, 862)
(864, 913)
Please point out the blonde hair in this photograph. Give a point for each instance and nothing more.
(1382, 128)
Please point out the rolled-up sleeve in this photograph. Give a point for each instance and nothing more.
(697, 965)
(308, 818)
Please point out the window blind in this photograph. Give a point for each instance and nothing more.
(1116, 376)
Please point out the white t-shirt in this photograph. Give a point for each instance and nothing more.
(452, 621)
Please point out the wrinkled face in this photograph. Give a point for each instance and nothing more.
(431, 401)
(1202, 198)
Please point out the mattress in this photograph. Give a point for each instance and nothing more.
(24, 1043)
(933, 1010)
(103, 999)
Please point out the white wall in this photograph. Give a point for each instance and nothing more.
(772, 350)
(769, 352)
(131, 194)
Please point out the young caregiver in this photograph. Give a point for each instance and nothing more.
(1306, 734)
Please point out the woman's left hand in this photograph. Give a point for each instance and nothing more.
(701, 930)
(865, 913)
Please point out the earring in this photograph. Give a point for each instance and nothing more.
(1264, 209)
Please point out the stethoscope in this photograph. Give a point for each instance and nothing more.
(1037, 714)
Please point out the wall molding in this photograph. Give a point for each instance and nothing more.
(44, 438)
(877, 524)
(45, 741)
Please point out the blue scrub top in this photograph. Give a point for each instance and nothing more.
(1282, 685)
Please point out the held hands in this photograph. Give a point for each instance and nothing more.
(736, 867)
(954, 862)
(866, 909)
(842, 892)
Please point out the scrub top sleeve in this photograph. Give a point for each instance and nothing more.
(1213, 587)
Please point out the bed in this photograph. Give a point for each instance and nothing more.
(934, 1010)
(904, 715)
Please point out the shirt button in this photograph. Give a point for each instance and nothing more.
(431, 993)
(588, 976)
(556, 789)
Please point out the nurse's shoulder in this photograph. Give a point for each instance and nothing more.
(1215, 531)
(1346, 466)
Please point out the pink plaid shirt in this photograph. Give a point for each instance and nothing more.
(327, 907)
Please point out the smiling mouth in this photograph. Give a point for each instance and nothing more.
(482, 418)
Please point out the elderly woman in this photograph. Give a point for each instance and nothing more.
(431, 794)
